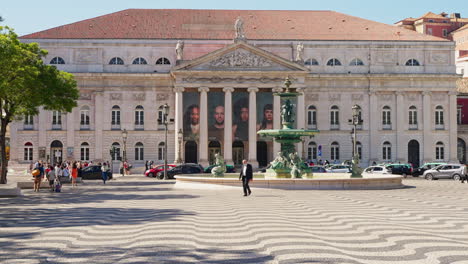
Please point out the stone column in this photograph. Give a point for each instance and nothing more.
(178, 123)
(374, 117)
(99, 147)
(276, 117)
(300, 117)
(203, 142)
(70, 134)
(453, 140)
(400, 127)
(228, 124)
(427, 144)
(253, 126)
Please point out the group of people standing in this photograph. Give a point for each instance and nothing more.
(52, 173)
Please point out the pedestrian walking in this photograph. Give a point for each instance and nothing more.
(146, 165)
(36, 173)
(74, 174)
(104, 169)
(246, 175)
(51, 176)
(464, 177)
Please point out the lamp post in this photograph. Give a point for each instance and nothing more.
(180, 137)
(124, 138)
(165, 122)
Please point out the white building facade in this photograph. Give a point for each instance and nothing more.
(403, 82)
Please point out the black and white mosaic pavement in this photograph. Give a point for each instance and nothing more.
(140, 220)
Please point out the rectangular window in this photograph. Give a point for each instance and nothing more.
(444, 32)
(84, 153)
(312, 153)
(28, 120)
(312, 118)
(387, 153)
(459, 116)
(28, 153)
(139, 153)
(161, 153)
(56, 118)
(335, 153)
(84, 117)
(115, 117)
(439, 117)
(386, 118)
(439, 153)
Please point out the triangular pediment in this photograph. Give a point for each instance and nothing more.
(240, 57)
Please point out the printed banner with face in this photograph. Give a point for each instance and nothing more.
(240, 116)
(216, 116)
(191, 121)
(264, 112)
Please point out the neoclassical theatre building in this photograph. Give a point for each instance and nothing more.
(217, 71)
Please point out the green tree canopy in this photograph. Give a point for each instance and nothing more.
(26, 84)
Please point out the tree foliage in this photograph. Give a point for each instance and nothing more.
(26, 84)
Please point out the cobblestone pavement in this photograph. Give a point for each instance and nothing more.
(140, 220)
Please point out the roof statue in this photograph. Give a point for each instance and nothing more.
(179, 49)
(239, 27)
(300, 52)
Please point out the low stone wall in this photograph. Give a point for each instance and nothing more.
(341, 181)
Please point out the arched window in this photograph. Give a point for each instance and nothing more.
(312, 116)
(386, 117)
(335, 151)
(387, 151)
(312, 151)
(359, 149)
(413, 117)
(84, 116)
(84, 151)
(115, 115)
(439, 116)
(116, 61)
(333, 62)
(116, 154)
(163, 61)
(161, 151)
(412, 62)
(356, 62)
(311, 62)
(28, 151)
(57, 60)
(139, 151)
(334, 117)
(139, 115)
(139, 60)
(439, 151)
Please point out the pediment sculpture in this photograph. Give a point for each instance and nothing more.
(241, 59)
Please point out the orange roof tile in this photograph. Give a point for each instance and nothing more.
(219, 25)
(432, 15)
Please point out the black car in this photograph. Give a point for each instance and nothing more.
(400, 169)
(94, 172)
(181, 169)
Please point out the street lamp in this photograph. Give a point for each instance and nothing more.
(165, 122)
(124, 138)
(180, 137)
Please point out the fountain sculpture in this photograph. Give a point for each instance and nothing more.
(287, 163)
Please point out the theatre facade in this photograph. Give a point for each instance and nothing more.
(218, 69)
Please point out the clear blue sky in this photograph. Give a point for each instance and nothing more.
(28, 16)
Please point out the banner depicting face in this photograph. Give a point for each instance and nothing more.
(240, 116)
(216, 116)
(191, 121)
(264, 111)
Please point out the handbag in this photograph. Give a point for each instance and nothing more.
(35, 172)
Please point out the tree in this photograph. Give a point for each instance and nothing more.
(26, 84)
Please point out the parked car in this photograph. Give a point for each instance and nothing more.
(319, 169)
(229, 168)
(154, 171)
(339, 168)
(94, 172)
(377, 170)
(402, 169)
(446, 171)
(181, 169)
(420, 171)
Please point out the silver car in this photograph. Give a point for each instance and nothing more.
(339, 169)
(446, 171)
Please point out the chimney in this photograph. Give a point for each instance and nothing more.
(455, 15)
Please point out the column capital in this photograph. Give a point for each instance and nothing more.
(453, 93)
(372, 93)
(228, 89)
(179, 89)
(399, 93)
(277, 89)
(252, 89)
(203, 89)
(426, 93)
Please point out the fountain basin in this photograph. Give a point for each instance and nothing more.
(320, 181)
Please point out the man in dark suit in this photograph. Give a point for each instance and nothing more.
(246, 175)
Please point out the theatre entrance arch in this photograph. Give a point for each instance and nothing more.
(56, 152)
(213, 148)
(262, 153)
(413, 153)
(191, 152)
(237, 152)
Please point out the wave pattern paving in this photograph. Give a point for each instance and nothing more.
(135, 220)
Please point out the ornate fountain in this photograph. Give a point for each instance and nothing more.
(287, 163)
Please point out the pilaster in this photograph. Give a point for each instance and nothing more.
(99, 121)
(70, 134)
(453, 135)
(178, 123)
(373, 128)
(253, 126)
(203, 143)
(427, 111)
(400, 127)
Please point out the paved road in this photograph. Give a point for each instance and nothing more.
(140, 220)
